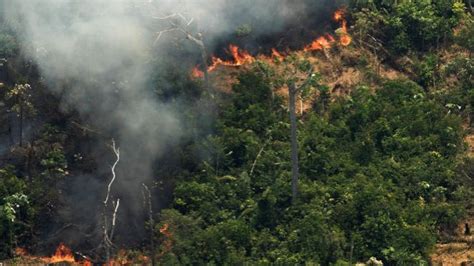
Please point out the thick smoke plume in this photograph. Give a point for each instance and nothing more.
(95, 55)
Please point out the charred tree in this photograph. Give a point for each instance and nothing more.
(200, 43)
(108, 225)
(195, 38)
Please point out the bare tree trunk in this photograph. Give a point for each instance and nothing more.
(256, 159)
(294, 144)
(199, 42)
(196, 38)
(207, 82)
(108, 230)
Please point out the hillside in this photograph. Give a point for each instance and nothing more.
(237, 133)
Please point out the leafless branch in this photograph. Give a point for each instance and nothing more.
(109, 229)
(61, 230)
(174, 15)
(256, 158)
(117, 154)
(174, 26)
(196, 38)
(114, 217)
(158, 36)
(165, 17)
(85, 129)
(306, 81)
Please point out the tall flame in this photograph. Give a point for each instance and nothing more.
(241, 57)
(344, 37)
(62, 254)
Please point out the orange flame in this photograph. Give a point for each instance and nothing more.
(168, 241)
(323, 42)
(21, 252)
(197, 73)
(164, 230)
(62, 254)
(344, 38)
(338, 15)
(276, 54)
(241, 57)
(120, 259)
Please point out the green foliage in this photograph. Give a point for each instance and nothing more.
(381, 169)
(54, 163)
(464, 36)
(427, 70)
(243, 30)
(15, 212)
(408, 25)
(20, 95)
(47, 167)
(378, 177)
(11, 204)
(253, 105)
(461, 95)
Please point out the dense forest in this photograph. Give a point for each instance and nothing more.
(327, 133)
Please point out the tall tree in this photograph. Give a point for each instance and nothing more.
(297, 76)
(20, 96)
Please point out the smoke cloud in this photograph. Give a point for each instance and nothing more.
(95, 55)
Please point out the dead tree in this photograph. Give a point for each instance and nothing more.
(109, 223)
(199, 42)
(256, 158)
(195, 38)
(295, 87)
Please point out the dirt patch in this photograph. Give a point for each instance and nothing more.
(453, 254)
(342, 69)
(460, 249)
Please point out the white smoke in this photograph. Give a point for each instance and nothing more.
(95, 55)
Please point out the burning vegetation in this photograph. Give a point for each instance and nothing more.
(63, 254)
(296, 150)
(241, 57)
